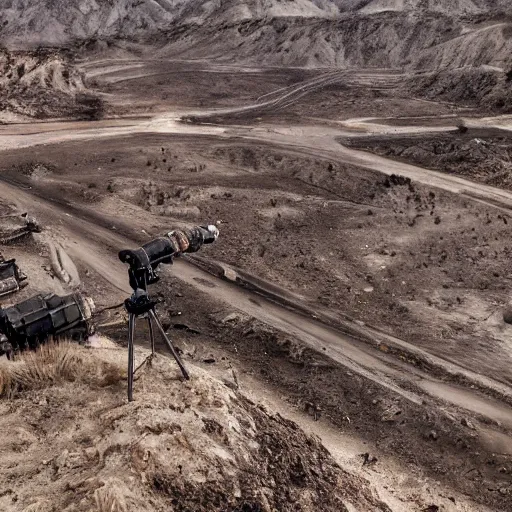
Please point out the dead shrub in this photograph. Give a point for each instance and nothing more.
(90, 106)
(115, 496)
(39, 506)
(109, 499)
(53, 363)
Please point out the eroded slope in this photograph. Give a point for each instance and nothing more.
(72, 443)
(379, 33)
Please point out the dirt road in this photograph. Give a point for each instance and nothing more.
(318, 141)
(87, 238)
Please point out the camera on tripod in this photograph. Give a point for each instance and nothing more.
(145, 260)
(143, 271)
(33, 322)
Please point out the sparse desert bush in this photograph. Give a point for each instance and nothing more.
(53, 363)
(90, 106)
(111, 497)
(462, 128)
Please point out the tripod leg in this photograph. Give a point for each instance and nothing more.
(151, 336)
(131, 355)
(169, 344)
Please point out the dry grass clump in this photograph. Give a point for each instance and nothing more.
(39, 506)
(53, 363)
(111, 497)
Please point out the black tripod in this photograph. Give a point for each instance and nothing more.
(140, 305)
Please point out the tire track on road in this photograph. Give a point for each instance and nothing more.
(86, 237)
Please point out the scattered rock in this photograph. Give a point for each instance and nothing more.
(91, 453)
(433, 435)
(368, 459)
(185, 327)
(391, 414)
(232, 317)
(507, 315)
(230, 384)
(466, 423)
(230, 274)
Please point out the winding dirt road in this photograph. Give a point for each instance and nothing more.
(90, 239)
(317, 141)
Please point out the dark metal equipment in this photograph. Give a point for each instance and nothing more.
(143, 271)
(11, 232)
(33, 322)
(11, 277)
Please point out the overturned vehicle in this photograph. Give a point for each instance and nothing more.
(43, 317)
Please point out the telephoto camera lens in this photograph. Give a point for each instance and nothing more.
(162, 249)
(191, 240)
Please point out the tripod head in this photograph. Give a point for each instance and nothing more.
(144, 263)
(139, 302)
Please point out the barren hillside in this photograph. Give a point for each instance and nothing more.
(71, 443)
(42, 84)
(380, 33)
(401, 35)
(383, 40)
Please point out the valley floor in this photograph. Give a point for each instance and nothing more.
(348, 286)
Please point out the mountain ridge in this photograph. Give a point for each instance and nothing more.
(415, 34)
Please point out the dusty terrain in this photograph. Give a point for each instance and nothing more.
(479, 154)
(305, 227)
(355, 156)
(85, 449)
(411, 260)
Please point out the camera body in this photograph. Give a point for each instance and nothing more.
(145, 260)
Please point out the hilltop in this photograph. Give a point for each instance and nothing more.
(380, 33)
(72, 443)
